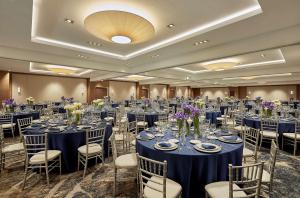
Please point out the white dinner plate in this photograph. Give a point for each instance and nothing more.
(172, 147)
(237, 141)
(149, 137)
(173, 141)
(195, 141)
(200, 148)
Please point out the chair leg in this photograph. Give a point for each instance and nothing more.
(261, 139)
(115, 182)
(47, 174)
(25, 176)
(206, 195)
(282, 142)
(13, 132)
(295, 148)
(78, 161)
(85, 166)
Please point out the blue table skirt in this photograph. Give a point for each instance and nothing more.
(248, 106)
(222, 109)
(22, 107)
(212, 116)
(68, 142)
(173, 105)
(150, 118)
(114, 105)
(284, 127)
(193, 169)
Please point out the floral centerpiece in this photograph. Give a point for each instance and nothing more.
(247, 97)
(9, 105)
(267, 108)
(200, 103)
(30, 100)
(195, 115)
(187, 109)
(180, 118)
(227, 99)
(99, 103)
(277, 103)
(69, 108)
(67, 100)
(77, 113)
(146, 103)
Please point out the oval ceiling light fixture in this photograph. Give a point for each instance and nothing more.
(119, 27)
(121, 39)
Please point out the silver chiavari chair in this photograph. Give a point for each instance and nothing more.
(125, 161)
(162, 119)
(268, 174)
(111, 116)
(93, 149)
(153, 181)
(239, 124)
(141, 121)
(120, 130)
(96, 115)
(132, 133)
(250, 137)
(6, 122)
(10, 153)
(22, 124)
(38, 156)
(292, 138)
(269, 130)
(244, 182)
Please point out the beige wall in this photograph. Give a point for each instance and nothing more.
(282, 92)
(182, 91)
(158, 90)
(213, 93)
(119, 91)
(47, 88)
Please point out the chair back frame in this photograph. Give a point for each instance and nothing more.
(94, 136)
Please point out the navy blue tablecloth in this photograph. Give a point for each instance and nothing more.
(193, 169)
(284, 127)
(68, 142)
(222, 109)
(150, 118)
(173, 105)
(212, 116)
(114, 105)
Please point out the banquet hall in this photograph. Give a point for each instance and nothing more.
(148, 98)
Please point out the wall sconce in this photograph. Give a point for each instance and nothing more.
(249, 92)
(19, 90)
(292, 92)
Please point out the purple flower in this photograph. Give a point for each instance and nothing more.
(9, 101)
(63, 98)
(268, 105)
(195, 112)
(180, 116)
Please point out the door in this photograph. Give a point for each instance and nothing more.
(172, 93)
(100, 92)
(144, 93)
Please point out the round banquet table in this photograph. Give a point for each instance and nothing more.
(283, 127)
(193, 169)
(68, 142)
(212, 116)
(149, 117)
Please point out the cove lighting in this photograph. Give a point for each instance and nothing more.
(260, 76)
(232, 18)
(121, 39)
(261, 63)
(191, 71)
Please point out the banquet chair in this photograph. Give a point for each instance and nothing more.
(162, 119)
(125, 161)
(132, 133)
(120, 130)
(250, 137)
(268, 175)
(93, 149)
(111, 116)
(6, 122)
(38, 156)
(153, 181)
(22, 124)
(269, 130)
(244, 182)
(96, 115)
(10, 153)
(292, 138)
(140, 121)
(239, 124)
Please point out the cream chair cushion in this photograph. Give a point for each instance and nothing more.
(119, 137)
(142, 123)
(221, 189)
(133, 142)
(39, 158)
(269, 134)
(13, 148)
(220, 118)
(93, 149)
(292, 135)
(126, 161)
(8, 125)
(115, 129)
(239, 128)
(247, 152)
(173, 189)
(108, 118)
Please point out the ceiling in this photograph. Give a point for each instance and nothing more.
(212, 43)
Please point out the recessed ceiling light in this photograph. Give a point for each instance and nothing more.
(155, 56)
(81, 56)
(220, 69)
(121, 39)
(187, 78)
(171, 25)
(262, 55)
(93, 43)
(200, 42)
(69, 21)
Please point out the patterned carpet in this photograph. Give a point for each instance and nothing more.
(99, 181)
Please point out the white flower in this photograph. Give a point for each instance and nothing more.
(77, 112)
